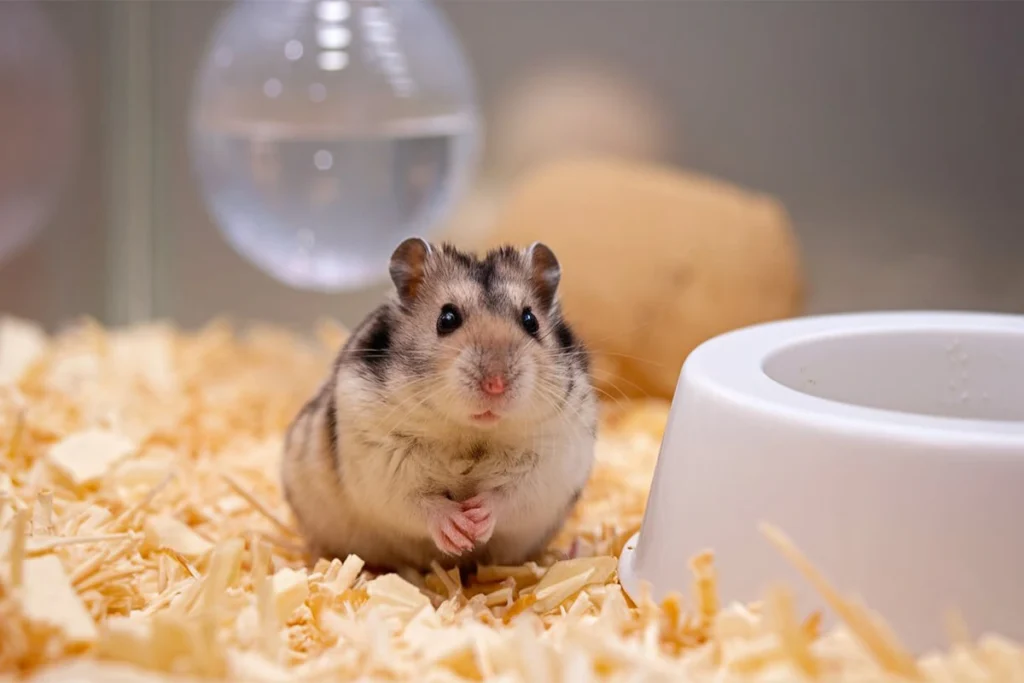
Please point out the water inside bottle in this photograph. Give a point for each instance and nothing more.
(323, 210)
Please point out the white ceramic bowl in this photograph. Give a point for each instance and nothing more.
(888, 446)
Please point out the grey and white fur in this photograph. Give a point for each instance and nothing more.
(458, 422)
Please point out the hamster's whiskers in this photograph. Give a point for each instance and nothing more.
(404, 417)
(609, 378)
(550, 395)
(411, 397)
(618, 355)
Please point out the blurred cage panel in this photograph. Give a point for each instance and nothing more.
(890, 132)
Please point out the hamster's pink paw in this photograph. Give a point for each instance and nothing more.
(451, 529)
(480, 509)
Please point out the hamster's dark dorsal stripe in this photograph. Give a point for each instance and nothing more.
(373, 349)
(485, 272)
(505, 254)
(570, 344)
(480, 269)
(331, 420)
(463, 259)
(566, 337)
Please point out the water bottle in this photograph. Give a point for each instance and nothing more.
(326, 131)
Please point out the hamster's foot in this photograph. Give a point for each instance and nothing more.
(451, 528)
(480, 509)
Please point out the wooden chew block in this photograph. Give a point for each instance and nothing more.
(655, 261)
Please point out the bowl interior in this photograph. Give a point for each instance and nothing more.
(965, 374)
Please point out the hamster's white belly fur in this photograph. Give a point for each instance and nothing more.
(377, 518)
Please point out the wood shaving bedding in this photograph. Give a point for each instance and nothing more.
(143, 538)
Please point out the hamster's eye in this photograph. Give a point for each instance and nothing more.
(530, 323)
(449, 320)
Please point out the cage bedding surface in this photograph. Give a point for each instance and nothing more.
(143, 538)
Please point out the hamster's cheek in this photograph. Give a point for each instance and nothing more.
(531, 396)
(454, 389)
(552, 384)
(449, 367)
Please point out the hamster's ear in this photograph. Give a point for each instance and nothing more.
(545, 272)
(408, 263)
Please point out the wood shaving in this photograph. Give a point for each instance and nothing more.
(86, 456)
(22, 342)
(144, 539)
(47, 600)
(166, 532)
(290, 588)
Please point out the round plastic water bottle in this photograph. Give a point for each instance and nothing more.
(326, 131)
(37, 124)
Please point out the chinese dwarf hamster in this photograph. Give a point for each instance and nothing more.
(458, 421)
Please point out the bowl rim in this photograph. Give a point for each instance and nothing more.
(731, 365)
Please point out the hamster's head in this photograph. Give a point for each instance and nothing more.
(484, 338)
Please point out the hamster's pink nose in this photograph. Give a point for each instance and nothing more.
(493, 385)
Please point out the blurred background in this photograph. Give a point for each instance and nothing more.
(890, 132)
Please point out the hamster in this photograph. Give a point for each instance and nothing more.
(458, 422)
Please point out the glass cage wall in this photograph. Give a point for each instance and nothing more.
(889, 131)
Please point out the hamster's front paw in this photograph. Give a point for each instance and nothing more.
(480, 509)
(451, 528)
